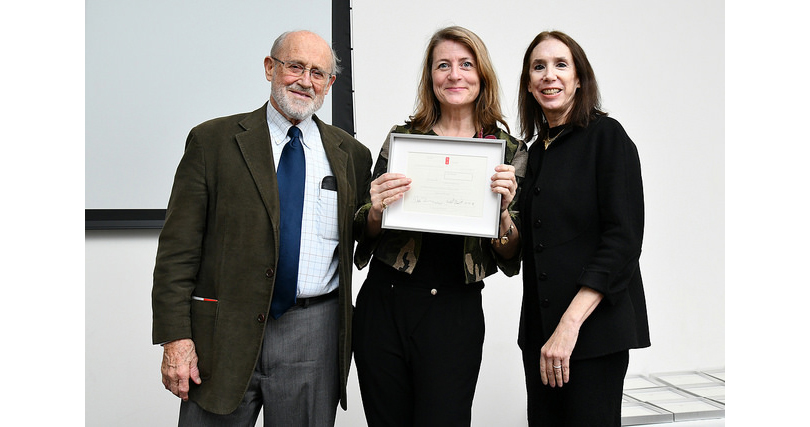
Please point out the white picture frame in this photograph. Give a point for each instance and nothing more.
(450, 192)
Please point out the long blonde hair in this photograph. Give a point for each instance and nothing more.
(487, 107)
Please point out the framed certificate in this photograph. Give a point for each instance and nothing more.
(450, 189)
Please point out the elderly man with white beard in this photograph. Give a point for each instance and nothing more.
(252, 296)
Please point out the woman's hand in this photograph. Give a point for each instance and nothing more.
(385, 190)
(505, 184)
(555, 355)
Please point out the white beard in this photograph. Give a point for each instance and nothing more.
(295, 108)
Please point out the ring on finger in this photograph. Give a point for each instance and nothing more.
(385, 206)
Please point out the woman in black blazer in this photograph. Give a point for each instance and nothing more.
(582, 215)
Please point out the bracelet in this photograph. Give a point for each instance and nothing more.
(503, 240)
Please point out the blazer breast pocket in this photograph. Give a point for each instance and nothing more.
(327, 209)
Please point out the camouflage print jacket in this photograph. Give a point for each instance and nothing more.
(400, 249)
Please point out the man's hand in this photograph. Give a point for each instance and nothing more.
(178, 366)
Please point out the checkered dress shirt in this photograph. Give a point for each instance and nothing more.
(318, 268)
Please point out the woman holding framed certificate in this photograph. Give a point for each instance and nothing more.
(582, 211)
(418, 328)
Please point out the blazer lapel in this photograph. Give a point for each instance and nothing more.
(257, 150)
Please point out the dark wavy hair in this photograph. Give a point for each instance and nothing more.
(587, 102)
(487, 108)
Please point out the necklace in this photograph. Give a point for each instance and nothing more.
(547, 141)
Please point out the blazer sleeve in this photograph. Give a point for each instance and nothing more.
(621, 213)
(516, 155)
(180, 248)
(366, 245)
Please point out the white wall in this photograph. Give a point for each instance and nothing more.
(660, 66)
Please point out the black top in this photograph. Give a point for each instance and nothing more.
(438, 264)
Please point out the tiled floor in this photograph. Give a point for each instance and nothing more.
(673, 397)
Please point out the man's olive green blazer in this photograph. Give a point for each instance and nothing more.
(220, 241)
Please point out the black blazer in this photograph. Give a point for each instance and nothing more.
(582, 209)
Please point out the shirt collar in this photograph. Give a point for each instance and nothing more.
(279, 125)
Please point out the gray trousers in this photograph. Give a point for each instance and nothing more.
(296, 380)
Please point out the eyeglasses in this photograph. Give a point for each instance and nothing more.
(296, 69)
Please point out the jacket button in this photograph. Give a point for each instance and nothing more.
(433, 292)
(539, 247)
(545, 303)
(538, 224)
(543, 276)
(269, 273)
(536, 191)
(260, 318)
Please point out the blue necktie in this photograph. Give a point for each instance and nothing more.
(291, 176)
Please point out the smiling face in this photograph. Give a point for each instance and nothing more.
(553, 80)
(455, 75)
(298, 97)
